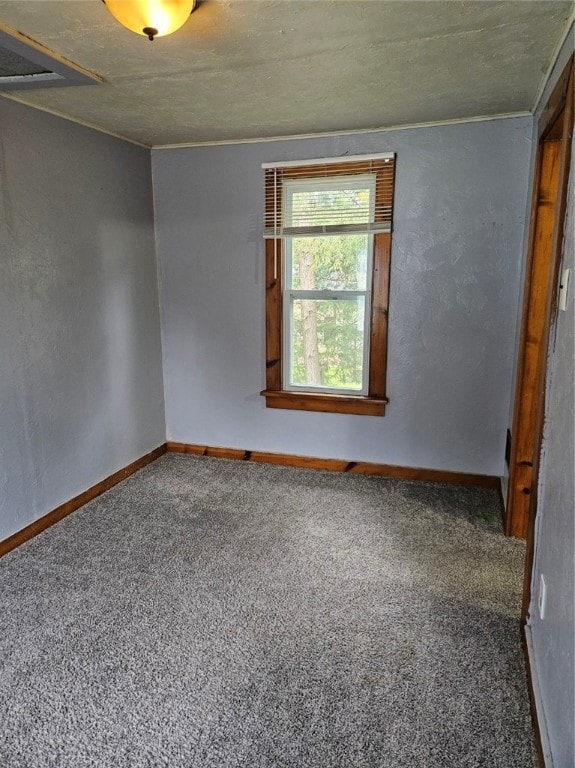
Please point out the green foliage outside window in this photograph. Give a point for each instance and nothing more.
(328, 334)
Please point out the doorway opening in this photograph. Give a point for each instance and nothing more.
(555, 134)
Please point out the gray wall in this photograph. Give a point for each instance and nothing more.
(460, 210)
(80, 359)
(553, 639)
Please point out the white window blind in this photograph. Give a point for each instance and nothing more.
(329, 197)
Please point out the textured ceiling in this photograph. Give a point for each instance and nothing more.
(243, 69)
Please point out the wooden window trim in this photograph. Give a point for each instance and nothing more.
(372, 404)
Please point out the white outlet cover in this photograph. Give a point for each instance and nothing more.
(563, 288)
(542, 596)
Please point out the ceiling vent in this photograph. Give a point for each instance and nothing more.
(25, 64)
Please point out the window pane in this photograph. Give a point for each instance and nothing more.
(335, 262)
(325, 207)
(327, 342)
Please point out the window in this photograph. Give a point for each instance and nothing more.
(328, 245)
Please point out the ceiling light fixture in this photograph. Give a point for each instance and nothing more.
(152, 18)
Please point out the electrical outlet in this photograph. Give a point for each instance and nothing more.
(563, 288)
(542, 596)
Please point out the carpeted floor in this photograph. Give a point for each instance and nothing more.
(209, 613)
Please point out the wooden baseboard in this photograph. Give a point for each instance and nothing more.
(502, 501)
(283, 459)
(78, 501)
(338, 465)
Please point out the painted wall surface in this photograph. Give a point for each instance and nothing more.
(458, 228)
(553, 639)
(80, 358)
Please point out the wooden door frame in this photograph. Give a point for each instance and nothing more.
(534, 337)
(555, 125)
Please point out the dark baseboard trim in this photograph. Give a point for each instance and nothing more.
(532, 702)
(502, 502)
(283, 459)
(78, 501)
(338, 465)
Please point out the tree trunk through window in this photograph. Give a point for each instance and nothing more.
(309, 320)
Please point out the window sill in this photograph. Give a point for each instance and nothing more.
(307, 401)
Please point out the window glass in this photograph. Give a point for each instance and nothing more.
(335, 262)
(328, 342)
(329, 203)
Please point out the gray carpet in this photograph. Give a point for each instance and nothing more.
(213, 613)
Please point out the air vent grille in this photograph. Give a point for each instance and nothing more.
(25, 64)
(12, 64)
